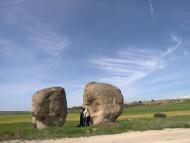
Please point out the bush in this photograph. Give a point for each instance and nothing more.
(160, 115)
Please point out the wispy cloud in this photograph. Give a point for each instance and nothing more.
(19, 1)
(39, 37)
(151, 7)
(51, 43)
(126, 68)
(186, 53)
(184, 96)
(29, 55)
(132, 65)
(5, 45)
(171, 49)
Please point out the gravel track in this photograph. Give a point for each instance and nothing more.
(152, 136)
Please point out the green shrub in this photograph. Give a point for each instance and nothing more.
(160, 115)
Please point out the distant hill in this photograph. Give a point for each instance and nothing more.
(138, 103)
(154, 102)
(14, 112)
(130, 104)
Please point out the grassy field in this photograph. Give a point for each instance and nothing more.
(179, 106)
(18, 126)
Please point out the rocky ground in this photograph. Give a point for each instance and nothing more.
(154, 136)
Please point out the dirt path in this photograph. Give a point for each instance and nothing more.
(155, 136)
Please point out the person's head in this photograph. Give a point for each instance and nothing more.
(83, 108)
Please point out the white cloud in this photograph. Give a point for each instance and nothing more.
(177, 41)
(186, 53)
(124, 69)
(49, 42)
(19, 1)
(185, 96)
(29, 59)
(132, 65)
(39, 37)
(151, 7)
(6, 45)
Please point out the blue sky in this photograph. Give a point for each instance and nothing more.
(140, 46)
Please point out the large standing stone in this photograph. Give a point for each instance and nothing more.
(104, 101)
(49, 107)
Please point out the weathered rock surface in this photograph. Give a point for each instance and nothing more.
(49, 108)
(104, 101)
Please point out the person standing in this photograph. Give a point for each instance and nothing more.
(82, 117)
(87, 117)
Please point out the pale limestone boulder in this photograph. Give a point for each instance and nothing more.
(49, 108)
(104, 101)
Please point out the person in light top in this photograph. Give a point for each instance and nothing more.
(87, 116)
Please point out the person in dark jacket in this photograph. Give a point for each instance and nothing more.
(82, 119)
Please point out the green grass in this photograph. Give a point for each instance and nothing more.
(70, 129)
(18, 126)
(179, 106)
(15, 118)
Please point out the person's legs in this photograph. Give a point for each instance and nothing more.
(88, 121)
(85, 121)
(81, 121)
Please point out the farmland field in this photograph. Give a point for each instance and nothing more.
(18, 126)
